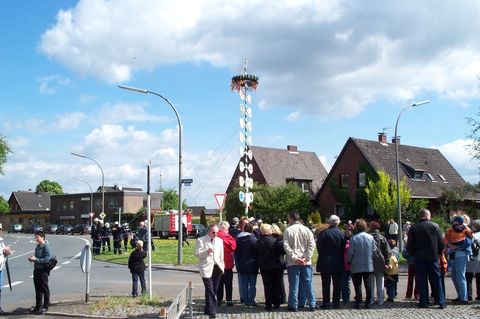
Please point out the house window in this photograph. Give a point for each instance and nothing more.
(64, 206)
(362, 180)
(418, 175)
(304, 185)
(442, 178)
(71, 205)
(112, 203)
(343, 180)
(20, 220)
(98, 203)
(339, 210)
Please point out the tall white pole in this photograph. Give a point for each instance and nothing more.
(150, 239)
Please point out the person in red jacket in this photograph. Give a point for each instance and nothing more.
(229, 246)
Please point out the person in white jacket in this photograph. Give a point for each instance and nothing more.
(209, 250)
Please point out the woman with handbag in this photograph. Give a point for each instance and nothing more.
(41, 271)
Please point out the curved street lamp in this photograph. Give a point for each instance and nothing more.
(91, 196)
(179, 232)
(397, 171)
(103, 178)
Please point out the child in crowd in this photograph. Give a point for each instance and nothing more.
(443, 265)
(457, 234)
(391, 277)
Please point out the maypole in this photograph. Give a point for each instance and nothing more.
(244, 84)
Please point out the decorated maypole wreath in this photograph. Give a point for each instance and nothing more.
(244, 84)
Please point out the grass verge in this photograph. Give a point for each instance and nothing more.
(166, 252)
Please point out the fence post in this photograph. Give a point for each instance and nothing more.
(190, 301)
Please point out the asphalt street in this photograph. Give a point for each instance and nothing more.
(67, 282)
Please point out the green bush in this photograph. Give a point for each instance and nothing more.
(440, 220)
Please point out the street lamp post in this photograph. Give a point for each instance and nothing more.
(180, 223)
(397, 171)
(91, 197)
(103, 178)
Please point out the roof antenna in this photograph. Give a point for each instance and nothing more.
(384, 130)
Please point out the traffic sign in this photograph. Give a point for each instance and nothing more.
(86, 259)
(102, 215)
(220, 199)
(91, 214)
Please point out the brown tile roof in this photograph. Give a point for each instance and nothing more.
(32, 201)
(278, 165)
(381, 156)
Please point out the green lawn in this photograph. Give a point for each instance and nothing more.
(165, 253)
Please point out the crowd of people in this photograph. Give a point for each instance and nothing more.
(358, 252)
(102, 235)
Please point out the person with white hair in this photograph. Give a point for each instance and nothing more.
(229, 246)
(331, 247)
(136, 265)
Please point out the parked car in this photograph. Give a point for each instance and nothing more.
(51, 229)
(15, 228)
(65, 229)
(32, 229)
(82, 229)
(199, 230)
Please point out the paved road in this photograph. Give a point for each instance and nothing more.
(68, 283)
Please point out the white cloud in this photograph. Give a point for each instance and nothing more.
(120, 112)
(329, 58)
(294, 116)
(69, 121)
(458, 155)
(50, 84)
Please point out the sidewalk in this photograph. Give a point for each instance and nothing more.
(399, 309)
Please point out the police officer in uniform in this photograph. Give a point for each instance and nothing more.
(106, 233)
(96, 235)
(117, 238)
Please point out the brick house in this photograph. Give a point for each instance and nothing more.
(428, 173)
(27, 208)
(278, 167)
(75, 208)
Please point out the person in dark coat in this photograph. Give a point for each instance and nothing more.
(425, 244)
(247, 265)
(106, 234)
(380, 262)
(269, 255)
(96, 234)
(117, 238)
(331, 248)
(137, 268)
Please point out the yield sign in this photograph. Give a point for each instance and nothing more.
(220, 199)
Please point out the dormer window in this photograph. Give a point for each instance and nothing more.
(418, 175)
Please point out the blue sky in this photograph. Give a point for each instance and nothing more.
(328, 70)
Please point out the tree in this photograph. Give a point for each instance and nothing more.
(475, 136)
(270, 202)
(4, 150)
(4, 207)
(382, 195)
(170, 199)
(315, 217)
(49, 187)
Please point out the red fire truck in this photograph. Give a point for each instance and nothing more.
(166, 224)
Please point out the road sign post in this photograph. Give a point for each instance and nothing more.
(220, 199)
(85, 264)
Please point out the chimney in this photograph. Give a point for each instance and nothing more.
(382, 137)
(398, 140)
(292, 148)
